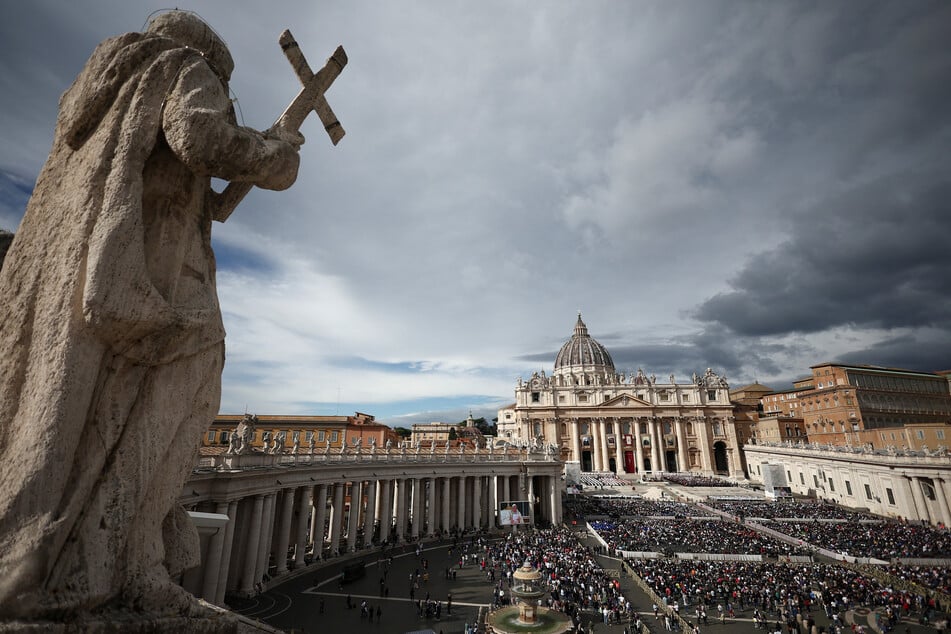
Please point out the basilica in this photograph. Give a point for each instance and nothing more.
(603, 420)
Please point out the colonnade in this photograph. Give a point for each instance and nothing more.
(280, 519)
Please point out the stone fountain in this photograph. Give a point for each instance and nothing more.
(527, 615)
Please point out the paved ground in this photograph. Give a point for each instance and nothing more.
(295, 605)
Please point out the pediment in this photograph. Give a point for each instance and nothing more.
(624, 400)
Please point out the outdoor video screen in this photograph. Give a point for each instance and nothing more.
(515, 513)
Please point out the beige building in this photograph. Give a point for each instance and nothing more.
(900, 484)
(430, 432)
(325, 431)
(604, 420)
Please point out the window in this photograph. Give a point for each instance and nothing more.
(536, 397)
(309, 436)
(848, 487)
(788, 476)
(334, 436)
(711, 395)
(321, 436)
(561, 398)
(665, 396)
(939, 433)
(920, 434)
(686, 398)
(815, 480)
(210, 438)
(582, 398)
(868, 492)
(831, 486)
(223, 438)
(890, 496)
(537, 430)
(802, 478)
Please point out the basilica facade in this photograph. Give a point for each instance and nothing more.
(603, 420)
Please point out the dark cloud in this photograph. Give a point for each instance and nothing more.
(925, 353)
(877, 257)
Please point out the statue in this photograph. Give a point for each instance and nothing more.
(110, 321)
(245, 431)
(266, 442)
(279, 439)
(389, 445)
(313, 443)
(372, 445)
(295, 449)
(416, 446)
(448, 444)
(432, 447)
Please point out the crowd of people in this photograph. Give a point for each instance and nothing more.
(773, 592)
(601, 479)
(617, 507)
(689, 480)
(689, 536)
(882, 540)
(786, 508)
(574, 580)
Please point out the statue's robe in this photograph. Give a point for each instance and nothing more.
(110, 330)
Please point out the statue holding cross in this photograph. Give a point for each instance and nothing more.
(110, 322)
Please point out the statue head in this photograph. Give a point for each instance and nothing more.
(187, 29)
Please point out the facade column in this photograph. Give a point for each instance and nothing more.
(681, 444)
(336, 520)
(431, 507)
(212, 571)
(369, 519)
(654, 427)
(284, 530)
(920, 500)
(594, 431)
(417, 507)
(477, 502)
(575, 440)
(638, 445)
(386, 509)
(703, 434)
(267, 534)
(461, 503)
(618, 448)
(942, 494)
(353, 521)
(400, 508)
(300, 536)
(605, 449)
(555, 500)
(254, 542)
(318, 533)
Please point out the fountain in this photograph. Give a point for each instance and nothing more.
(527, 615)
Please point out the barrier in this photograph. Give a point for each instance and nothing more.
(717, 557)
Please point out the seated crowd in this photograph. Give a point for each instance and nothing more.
(887, 540)
(688, 480)
(786, 509)
(633, 506)
(690, 536)
(773, 591)
(601, 479)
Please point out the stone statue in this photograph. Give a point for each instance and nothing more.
(448, 444)
(389, 445)
(245, 430)
(372, 445)
(266, 442)
(279, 439)
(111, 330)
(313, 443)
(432, 447)
(416, 446)
(295, 449)
(234, 441)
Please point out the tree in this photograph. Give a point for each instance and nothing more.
(403, 432)
(452, 434)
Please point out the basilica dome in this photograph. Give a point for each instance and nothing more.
(581, 353)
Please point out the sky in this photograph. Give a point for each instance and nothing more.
(753, 187)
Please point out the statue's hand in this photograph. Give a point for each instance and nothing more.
(284, 163)
(288, 136)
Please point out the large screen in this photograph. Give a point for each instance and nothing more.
(517, 513)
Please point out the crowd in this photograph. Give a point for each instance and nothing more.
(883, 540)
(572, 577)
(773, 592)
(931, 577)
(690, 536)
(786, 508)
(601, 479)
(582, 507)
(688, 480)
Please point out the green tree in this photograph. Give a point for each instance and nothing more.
(452, 434)
(403, 432)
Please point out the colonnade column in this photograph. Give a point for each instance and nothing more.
(318, 532)
(446, 506)
(555, 500)
(461, 503)
(267, 534)
(477, 502)
(431, 510)
(417, 507)
(353, 521)
(284, 530)
(222, 583)
(370, 515)
(618, 457)
(681, 445)
(212, 571)
(386, 509)
(300, 534)
(493, 501)
(401, 500)
(336, 520)
(254, 541)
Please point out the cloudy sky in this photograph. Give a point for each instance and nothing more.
(754, 187)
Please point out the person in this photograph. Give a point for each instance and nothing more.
(111, 324)
(516, 514)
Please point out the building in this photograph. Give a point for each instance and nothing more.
(431, 432)
(323, 431)
(900, 484)
(602, 420)
(858, 404)
(779, 428)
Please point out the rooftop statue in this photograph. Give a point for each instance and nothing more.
(110, 324)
